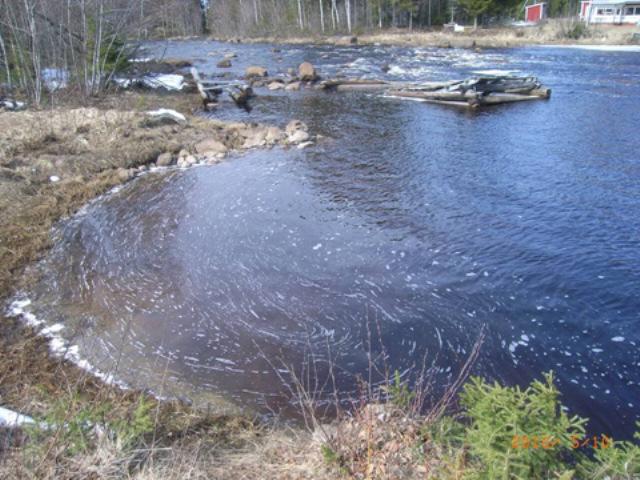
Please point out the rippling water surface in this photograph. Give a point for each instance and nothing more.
(409, 223)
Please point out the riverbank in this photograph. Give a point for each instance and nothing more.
(552, 32)
(52, 162)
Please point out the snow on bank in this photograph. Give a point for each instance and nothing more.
(166, 112)
(167, 81)
(11, 419)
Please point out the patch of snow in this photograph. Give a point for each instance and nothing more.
(55, 78)
(9, 418)
(617, 339)
(166, 112)
(168, 81)
(123, 82)
(12, 105)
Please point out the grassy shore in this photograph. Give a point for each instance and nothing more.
(552, 32)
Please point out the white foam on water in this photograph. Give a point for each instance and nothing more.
(496, 73)
(617, 339)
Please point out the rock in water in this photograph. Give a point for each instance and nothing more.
(299, 136)
(274, 135)
(226, 63)
(307, 72)
(253, 71)
(275, 86)
(293, 86)
(295, 125)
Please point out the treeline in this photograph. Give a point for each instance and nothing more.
(287, 17)
(85, 42)
(45, 44)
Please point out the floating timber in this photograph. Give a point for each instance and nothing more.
(485, 89)
(477, 91)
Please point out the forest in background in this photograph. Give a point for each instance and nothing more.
(287, 17)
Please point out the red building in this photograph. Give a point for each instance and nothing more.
(535, 12)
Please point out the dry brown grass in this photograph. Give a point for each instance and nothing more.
(551, 32)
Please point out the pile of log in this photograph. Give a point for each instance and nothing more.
(476, 91)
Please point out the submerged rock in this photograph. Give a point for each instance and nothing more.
(225, 63)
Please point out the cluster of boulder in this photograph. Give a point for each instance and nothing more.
(259, 77)
(237, 136)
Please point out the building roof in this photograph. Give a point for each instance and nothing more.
(615, 2)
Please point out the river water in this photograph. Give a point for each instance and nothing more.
(393, 240)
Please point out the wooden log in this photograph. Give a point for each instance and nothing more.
(361, 87)
(338, 82)
(541, 92)
(431, 86)
(499, 98)
(443, 95)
